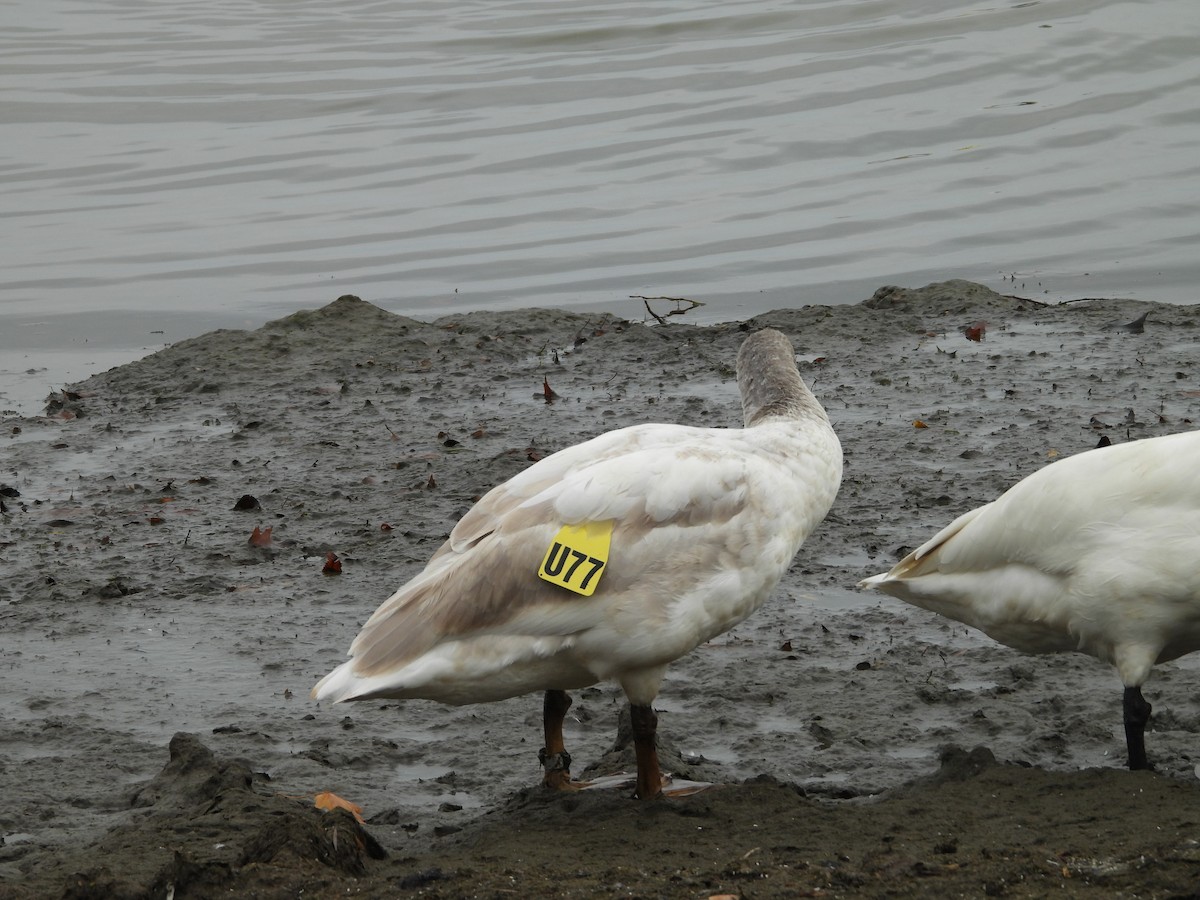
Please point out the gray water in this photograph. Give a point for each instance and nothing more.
(171, 167)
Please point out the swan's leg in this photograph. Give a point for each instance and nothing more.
(554, 756)
(645, 727)
(1137, 714)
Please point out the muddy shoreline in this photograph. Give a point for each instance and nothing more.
(862, 748)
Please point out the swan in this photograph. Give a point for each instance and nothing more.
(609, 560)
(1095, 553)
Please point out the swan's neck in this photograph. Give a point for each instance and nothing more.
(771, 386)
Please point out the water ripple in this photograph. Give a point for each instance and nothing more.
(243, 158)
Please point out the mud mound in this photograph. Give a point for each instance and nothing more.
(204, 825)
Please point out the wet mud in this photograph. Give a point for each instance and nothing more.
(156, 736)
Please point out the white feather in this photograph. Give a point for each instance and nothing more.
(1095, 553)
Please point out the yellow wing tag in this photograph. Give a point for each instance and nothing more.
(577, 556)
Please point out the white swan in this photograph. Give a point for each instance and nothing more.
(1099, 553)
(679, 532)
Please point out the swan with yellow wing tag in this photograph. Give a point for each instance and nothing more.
(609, 560)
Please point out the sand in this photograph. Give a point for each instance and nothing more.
(157, 736)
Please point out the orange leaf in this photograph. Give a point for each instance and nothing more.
(328, 800)
(547, 391)
(260, 538)
(333, 565)
(975, 332)
(917, 423)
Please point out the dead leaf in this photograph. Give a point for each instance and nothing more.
(260, 537)
(917, 423)
(328, 801)
(385, 526)
(548, 393)
(333, 565)
(975, 332)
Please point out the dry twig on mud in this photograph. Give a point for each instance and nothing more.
(677, 311)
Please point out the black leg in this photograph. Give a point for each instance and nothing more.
(1137, 714)
(554, 756)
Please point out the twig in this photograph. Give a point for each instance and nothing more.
(675, 312)
(1031, 300)
(657, 317)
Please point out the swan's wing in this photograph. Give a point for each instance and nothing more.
(925, 558)
(662, 499)
(483, 518)
(1041, 517)
(1061, 516)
